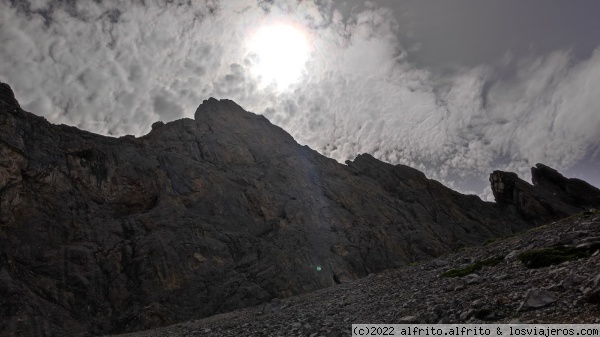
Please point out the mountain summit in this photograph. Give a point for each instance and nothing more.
(204, 216)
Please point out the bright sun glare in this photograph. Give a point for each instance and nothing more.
(282, 51)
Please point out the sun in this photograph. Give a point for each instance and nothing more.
(282, 51)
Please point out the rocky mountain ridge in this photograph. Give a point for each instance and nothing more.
(204, 216)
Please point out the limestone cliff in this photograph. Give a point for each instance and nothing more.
(198, 217)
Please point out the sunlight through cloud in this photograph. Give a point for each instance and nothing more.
(281, 51)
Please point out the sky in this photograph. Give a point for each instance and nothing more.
(456, 89)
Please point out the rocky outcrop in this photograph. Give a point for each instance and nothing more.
(551, 197)
(200, 217)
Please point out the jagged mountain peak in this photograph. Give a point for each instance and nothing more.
(226, 113)
(551, 197)
(214, 107)
(7, 96)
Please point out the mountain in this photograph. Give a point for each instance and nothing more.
(492, 283)
(204, 216)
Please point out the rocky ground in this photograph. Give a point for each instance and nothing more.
(510, 291)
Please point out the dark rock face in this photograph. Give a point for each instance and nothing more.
(198, 217)
(552, 196)
(431, 292)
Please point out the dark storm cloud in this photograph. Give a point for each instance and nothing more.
(471, 32)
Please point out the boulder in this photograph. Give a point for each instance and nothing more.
(537, 298)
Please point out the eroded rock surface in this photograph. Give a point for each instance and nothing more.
(200, 217)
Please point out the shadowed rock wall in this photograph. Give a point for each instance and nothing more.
(551, 197)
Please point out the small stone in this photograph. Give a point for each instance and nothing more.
(491, 316)
(438, 309)
(473, 279)
(592, 239)
(557, 271)
(537, 298)
(511, 256)
(572, 281)
(502, 300)
(554, 287)
(409, 320)
(500, 277)
(478, 303)
(436, 263)
(466, 314)
(335, 333)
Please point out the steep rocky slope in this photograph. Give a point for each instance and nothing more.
(204, 216)
(510, 291)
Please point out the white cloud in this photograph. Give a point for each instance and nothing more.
(115, 68)
(548, 113)
(487, 194)
(116, 73)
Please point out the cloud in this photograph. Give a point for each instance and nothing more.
(368, 98)
(548, 112)
(114, 68)
(472, 33)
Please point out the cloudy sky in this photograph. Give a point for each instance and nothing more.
(456, 88)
